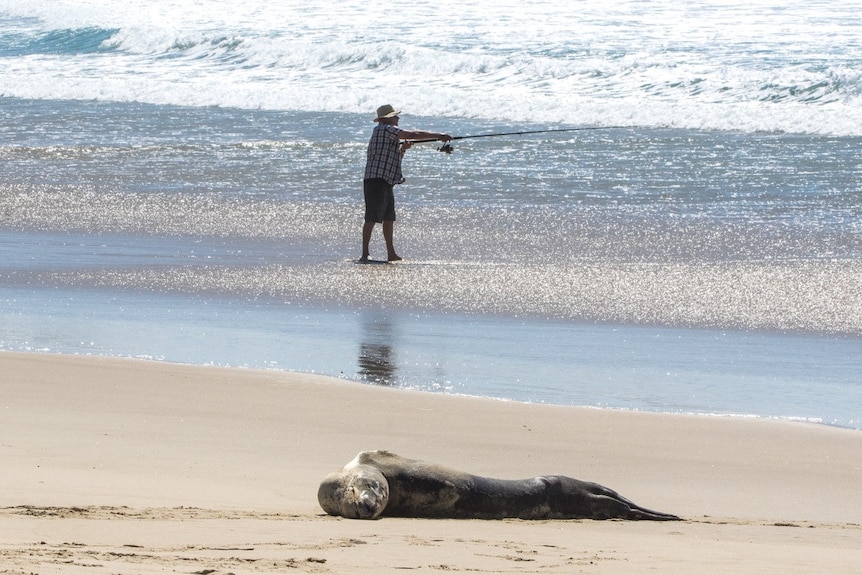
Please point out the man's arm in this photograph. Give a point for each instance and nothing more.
(421, 135)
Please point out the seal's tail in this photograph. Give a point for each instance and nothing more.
(640, 513)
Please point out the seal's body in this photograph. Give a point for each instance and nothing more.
(380, 483)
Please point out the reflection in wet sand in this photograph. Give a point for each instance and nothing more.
(376, 362)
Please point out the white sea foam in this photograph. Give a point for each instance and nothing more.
(747, 66)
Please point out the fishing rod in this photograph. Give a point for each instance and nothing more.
(447, 148)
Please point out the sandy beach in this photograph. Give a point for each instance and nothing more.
(136, 467)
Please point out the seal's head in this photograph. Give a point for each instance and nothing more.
(357, 492)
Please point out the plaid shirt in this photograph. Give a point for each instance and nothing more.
(384, 155)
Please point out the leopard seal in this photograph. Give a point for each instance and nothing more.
(382, 484)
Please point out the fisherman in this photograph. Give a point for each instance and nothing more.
(383, 171)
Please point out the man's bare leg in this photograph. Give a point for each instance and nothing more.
(366, 239)
(388, 230)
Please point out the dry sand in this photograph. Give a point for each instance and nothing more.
(133, 467)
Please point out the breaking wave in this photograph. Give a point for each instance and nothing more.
(743, 67)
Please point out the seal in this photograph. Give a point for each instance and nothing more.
(382, 484)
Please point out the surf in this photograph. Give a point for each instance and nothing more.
(747, 67)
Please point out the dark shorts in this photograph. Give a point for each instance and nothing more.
(379, 200)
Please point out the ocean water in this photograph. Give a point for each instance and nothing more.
(181, 181)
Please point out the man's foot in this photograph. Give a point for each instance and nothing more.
(364, 258)
(394, 258)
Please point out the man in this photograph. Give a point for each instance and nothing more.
(383, 171)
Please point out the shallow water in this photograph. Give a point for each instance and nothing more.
(806, 377)
(181, 183)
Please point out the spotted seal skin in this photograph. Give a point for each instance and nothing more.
(382, 484)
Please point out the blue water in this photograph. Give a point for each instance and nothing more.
(627, 367)
(181, 182)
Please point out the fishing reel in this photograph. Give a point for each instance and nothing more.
(446, 148)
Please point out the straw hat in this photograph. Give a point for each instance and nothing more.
(386, 111)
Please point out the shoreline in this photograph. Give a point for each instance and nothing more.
(146, 457)
(664, 369)
(371, 382)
